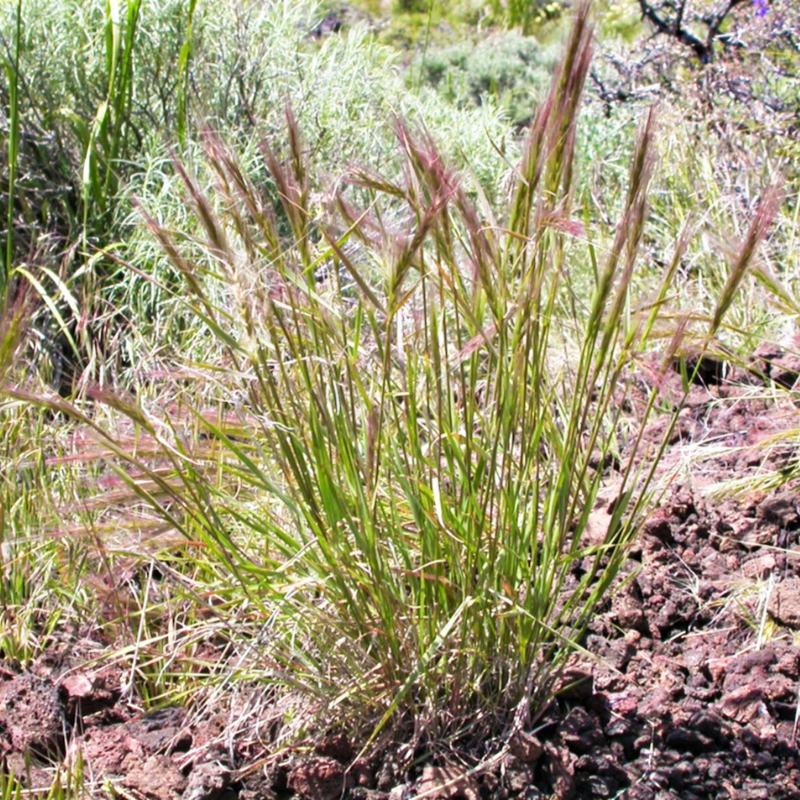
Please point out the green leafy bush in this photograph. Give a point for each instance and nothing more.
(107, 87)
(527, 15)
(507, 70)
(111, 90)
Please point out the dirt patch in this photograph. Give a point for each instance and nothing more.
(31, 714)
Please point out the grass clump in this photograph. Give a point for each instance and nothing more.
(394, 443)
(362, 434)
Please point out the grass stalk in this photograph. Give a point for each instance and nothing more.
(106, 137)
(12, 74)
(184, 65)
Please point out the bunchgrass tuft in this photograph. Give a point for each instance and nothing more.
(397, 439)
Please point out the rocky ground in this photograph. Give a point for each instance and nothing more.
(692, 691)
